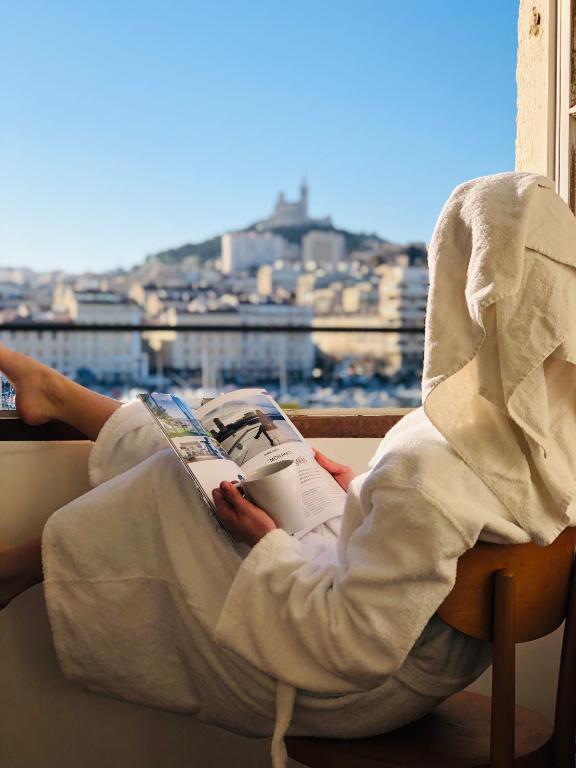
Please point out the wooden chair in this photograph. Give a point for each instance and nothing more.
(506, 594)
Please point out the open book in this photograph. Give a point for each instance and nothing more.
(238, 433)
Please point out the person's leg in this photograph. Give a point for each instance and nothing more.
(20, 568)
(138, 569)
(43, 394)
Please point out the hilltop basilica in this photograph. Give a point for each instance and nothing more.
(294, 214)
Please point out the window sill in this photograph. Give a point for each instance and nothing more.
(320, 422)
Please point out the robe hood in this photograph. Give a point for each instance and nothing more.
(500, 344)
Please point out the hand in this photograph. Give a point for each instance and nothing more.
(340, 472)
(244, 520)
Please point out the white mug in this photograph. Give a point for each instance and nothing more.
(276, 488)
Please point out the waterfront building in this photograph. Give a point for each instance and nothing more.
(389, 351)
(104, 356)
(109, 356)
(399, 301)
(230, 356)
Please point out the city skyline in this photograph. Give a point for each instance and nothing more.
(136, 129)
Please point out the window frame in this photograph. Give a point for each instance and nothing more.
(546, 80)
(565, 155)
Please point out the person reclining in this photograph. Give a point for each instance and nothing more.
(335, 634)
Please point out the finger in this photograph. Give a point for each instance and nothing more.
(328, 464)
(241, 504)
(217, 495)
(226, 511)
(233, 496)
(236, 484)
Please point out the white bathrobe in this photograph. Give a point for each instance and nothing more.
(150, 603)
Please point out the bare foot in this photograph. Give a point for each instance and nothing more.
(15, 578)
(40, 391)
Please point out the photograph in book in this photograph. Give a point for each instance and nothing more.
(247, 427)
(198, 448)
(174, 416)
(183, 427)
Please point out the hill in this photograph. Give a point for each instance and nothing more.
(355, 241)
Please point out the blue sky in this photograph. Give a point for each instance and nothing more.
(129, 127)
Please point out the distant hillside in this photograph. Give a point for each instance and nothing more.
(206, 250)
(210, 249)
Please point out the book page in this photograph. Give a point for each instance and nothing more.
(250, 426)
(200, 453)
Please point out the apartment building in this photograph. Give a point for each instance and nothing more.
(228, 354)
(403, 294)
(245, 250)
(108, 357)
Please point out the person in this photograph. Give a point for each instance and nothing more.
(266, 425)
(335, 634)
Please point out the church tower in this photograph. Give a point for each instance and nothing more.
(291, 214)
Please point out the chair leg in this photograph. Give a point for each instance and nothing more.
(565, 717)
(503, 673)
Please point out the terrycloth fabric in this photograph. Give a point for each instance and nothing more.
(500, 352)
(137, 579)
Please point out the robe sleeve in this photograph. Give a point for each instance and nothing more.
(339, 625)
